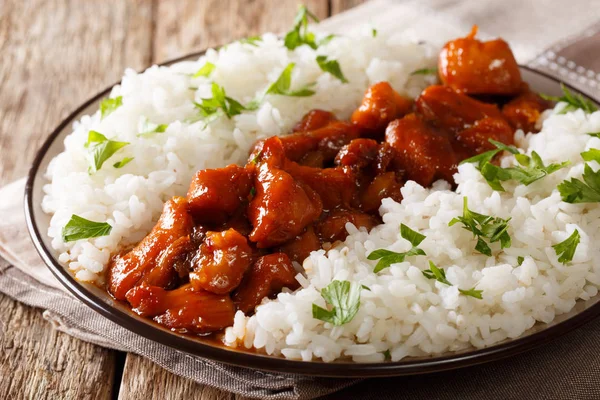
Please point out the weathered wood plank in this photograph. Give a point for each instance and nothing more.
(183, 26)
(337, 6)
(139, 372)
(38, 362)
(56, 54)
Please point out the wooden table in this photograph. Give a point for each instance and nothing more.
(55, 54)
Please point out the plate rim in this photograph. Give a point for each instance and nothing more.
(274, 363)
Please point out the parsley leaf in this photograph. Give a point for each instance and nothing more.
(486, 157)
(211, 109)
(282, 85)
(388, 257)
(81, 228)
(107, 106)
(373, 32)
(145, 127)
(387, 355)
(205, 70)
(251, 40)
(436, 273)
(123, 162)
(595, 134)
(472, 292)
(424, 71)
(591, 155)
(332, 67)
(484, 227)
(344, 299)
(573, 101)
(565, 250)
(101, 149)
(529, 170)
(326, 39)
(440, 275)
(520, 260)
(299, 35)
(576, 191)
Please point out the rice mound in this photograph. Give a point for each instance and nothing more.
(407, 314)
(131, 198)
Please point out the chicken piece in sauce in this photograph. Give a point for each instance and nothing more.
(423, 152)
(183, 309)
(220, 262)
(282, 207)
(380, 106)
(126, 270)
(314, 119)
(523, 111)
(215, 194)
(470, 66)
(298, 248)
(451, 111)
(476, 139)
(333, 226)
(268, 276)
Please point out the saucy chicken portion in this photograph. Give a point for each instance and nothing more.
(243, 231)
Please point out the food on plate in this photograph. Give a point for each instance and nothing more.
(287, 196)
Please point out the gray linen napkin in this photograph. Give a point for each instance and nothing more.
(570, 38)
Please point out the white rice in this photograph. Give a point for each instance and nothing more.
(131, 198)
(408, 315)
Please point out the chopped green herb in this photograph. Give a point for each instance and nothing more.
(486, 157)
(107, 106)
(591, 155)
(425, 71)
(332, 67)
(440, 275)
(484, 227)
(530, 169)
(282, 85)
(436, 273)
(472, 292)
(205, 70)
(373, 32)
(251, 40)
(573, 101)
(145, 127)
(252, 191)
(387, 355)
(365, 287)
(595, 134)
(343, 299)
(101, 149)
(211, 109)
(81, 228)
(299, 35)
(123, 162)
(576, 191)
(520, 260)
(388, 257)
(256, 158)
(565, 250)
(326, 39)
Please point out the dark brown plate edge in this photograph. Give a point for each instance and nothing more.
(271, 363)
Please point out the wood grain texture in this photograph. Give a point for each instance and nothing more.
(338, 6)
(55, 55)
(38, 362)
(139, 372)
(183, 26)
